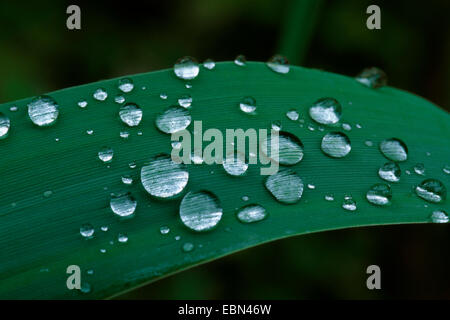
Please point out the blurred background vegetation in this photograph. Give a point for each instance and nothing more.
(39, 54)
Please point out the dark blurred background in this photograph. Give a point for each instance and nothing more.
(39, 54)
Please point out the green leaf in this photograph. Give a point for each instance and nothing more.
(39, 235)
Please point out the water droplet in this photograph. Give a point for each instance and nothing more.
(276, 125)
(90, 272)
(163, 178)
(188, 85)
(286, 186)
(43, 111)
(390, 171)
(431, 190)
(127, 179)
(346, 127)
(13, 108)
(329, 197)
(349, 204)
(336, 144)
(82, 103)
(85, 287)
(368, 143)
(103, 250)
(130, 114)
(164, 230)
(177, 238)
(292, 115)
(126, 85)
(235, 164)
(48, 193)
(173, 119)
(251, 213)
(419, 169)
(372, 77)
(290, 148)
(358, 126)
(245, 198)
(163, 96)
(248, 105)
(188, 247)
(119, 99)
(326, 111)
(379, 194)
(311, 186)
(104, 228)
(209, 64)
(185, 101)
(124, 134)
(394, 149)
(439, 216)
(4, 126)
(123, 204)
(240, 60)
(87, 230)
(100, 94)
(106, 154)
(311, 127)
(90, 132)
(278, 63)
(122, 238)
(446, 169)
(200, 210)
(132, 165)
(186, 68)
(139, 133)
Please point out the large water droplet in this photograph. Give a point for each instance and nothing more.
(336, 144)
(439, 216)
(290, 148)
(87, 230)
(163, 178)
(106, 154)
(4, 126)
(431, 190)
(240, 60)
(235, 164)
(379, 194)
(100, 94)
(372, 77)
(251, 213)
(248, 105)
(130, 114)
(326, 111)
(200, 211)
(186, 68)
(394, 149)
(286, 186)
(173, 119)
(43, 111)
(123, 204)
(126, 85)
(278, 63)
(390, 171)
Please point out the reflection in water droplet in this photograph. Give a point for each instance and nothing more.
(349, 204)
(130, 114)
(123, 204)
(251, 213)
(100, 94)
(240, 60)
(248, 105)
(209, 64)
(163, 178)
(390, 171)
(173, 119)
(379, 194)
(164, 230)
(186, 68)
(87, 230)
(372, 77)
(431, 190)
(419, 169)
(394, 149)
(43, 111)
(326, 111)
(200, 211)
(336, 144)
(292, 115)
(286, 186)
(278, 63)
(126, 85)
(290, 148)
(106, 154)
(4, 126)
(439, 216)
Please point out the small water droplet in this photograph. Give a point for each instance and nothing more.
(431, 190)
(278, 63)
(85, 287)
(245, 198)
(164, 230)
(177, 238)
(248, 105)
(285, 185)
(100, 94)
(173, 119)
(103, 250)
(90, 132)
(13, 108)
(106, 154)
(372, 77)
(43, 111)
(82, 103)
(130, 114)
(87, 230)
(104, 228)
(446, 169)
(132, 165)
(368, 143)
(311, 186)
(185, 101)
(209, 64)
(186, 68)
(200, 210)
(358, 126)
(90, 272)
(127, 179)
(293, 115)
(122, 238)
(276, 125)
(346, 127)
(163, 96)
(124, 134)
(188, 85)
(419, 169)
(394, 149)
(119, 99)
(251, 213)
(290, 148)
(48, 193)
(123, 204)
(311, 127)
(126, 85)
(336, 144)
(439, 216)
(326, 111)
(379, 194)
(240, 60)
(5, 124)
(163, 178)
(188, 247)
(329, 197)
(390, 171)
(349, 204)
